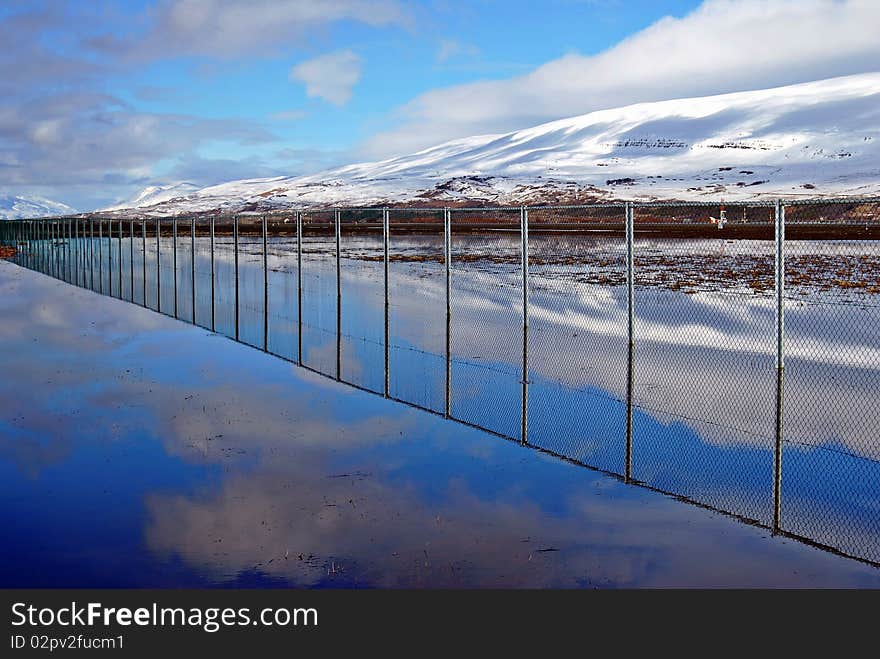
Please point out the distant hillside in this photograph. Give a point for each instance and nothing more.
(22, 207)
(813, 139)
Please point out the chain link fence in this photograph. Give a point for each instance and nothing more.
(728, 354)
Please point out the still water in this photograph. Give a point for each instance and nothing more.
(704, 370)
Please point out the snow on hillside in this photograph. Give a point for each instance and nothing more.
(157, 194)
(20, 207)
(811, 139)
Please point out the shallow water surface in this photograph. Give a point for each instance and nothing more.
(136, 450)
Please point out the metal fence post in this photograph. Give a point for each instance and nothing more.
(213, 305)
(110, 258)
(119, 240)
(91, 254)
(385, 237)
(299, 288)
(158, 266)
(131, 260)
(192, 263)
(69, 250)
(144, 258)
(100, 250)
(47, 240)
(265, 285)
(76, 251)
(630, 334)
(447, 258)
(338, 226)
(780, 361)
(235, 260)
(174, 260)
(524, 234)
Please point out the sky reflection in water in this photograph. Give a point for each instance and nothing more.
(138, 451)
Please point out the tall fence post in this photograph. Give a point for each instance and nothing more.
(110, 258)
(338, 226)
(50, 241)
(91, 254)
(158, 265)
(524, 251)
(58, 239)
(265, 285)
(447, 259)
(213, 303)
(385, 231)
(76, 251)
(192, 264)
(119, 241)
(299, 288)
(780, 361)
(174, 260)
(235, 262)
(630, 335)
(131, 261)
(100, 250)
(69, 250)
(144, 258)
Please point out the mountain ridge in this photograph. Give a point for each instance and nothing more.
(22, 207)
(812, 139)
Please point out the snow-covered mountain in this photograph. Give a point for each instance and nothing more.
(811, 139)
(157, 194)
(20, 207)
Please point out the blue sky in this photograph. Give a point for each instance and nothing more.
(100, 99)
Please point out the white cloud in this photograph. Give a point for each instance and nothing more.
(330, 76)
(228, 28)
(722, 46)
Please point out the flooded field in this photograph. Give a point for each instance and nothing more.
(139, 451)
(702, 394)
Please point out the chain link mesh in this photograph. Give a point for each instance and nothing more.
(578, 334)
(705, 414)
(417, 306)
(704, 363)
(319, 292)
(283, 276)
(487, 320)
(363, 299)
(831, 454)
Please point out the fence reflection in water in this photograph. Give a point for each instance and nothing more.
(729, 355)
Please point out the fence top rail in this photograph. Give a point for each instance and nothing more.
(291, 212)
